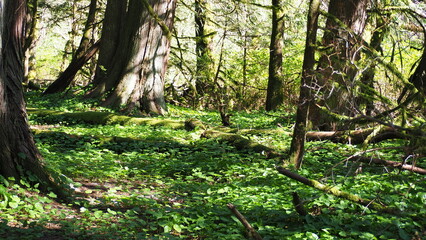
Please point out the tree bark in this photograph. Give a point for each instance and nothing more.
(275, 91)
(112, 29)
(298, 141)
(336, 65)
(141, 67)
(18, 153)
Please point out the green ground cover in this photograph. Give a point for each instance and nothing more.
(166, 183)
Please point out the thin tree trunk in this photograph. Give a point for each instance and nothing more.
(31, 40)
(203, 48)
(68, 75)
(69, 48)
(80, 57)
(275, 91)
(298, 141)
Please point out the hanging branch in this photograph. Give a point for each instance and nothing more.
(251, 231)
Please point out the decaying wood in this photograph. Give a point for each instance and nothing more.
(336, 192)
(354, 136)
(251, 231)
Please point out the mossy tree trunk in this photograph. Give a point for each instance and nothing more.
(366, 101)
(298, 141)
(336, 64)
(275, 91)
(18, 153)
(203, 49)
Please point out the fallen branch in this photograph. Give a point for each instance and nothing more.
(387, 163)
(251, 231)
(336, 192)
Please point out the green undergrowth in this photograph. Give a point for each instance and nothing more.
(163, 183)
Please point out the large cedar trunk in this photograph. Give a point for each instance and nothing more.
(275, 92)
(142, 66)
(336, 64)
(112, 29)
(18, 153)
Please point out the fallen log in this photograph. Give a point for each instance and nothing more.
(106, 118)
(387, 163)
(355, 136)
(336, 192)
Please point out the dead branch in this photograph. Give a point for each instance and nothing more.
(393, 164)
(251, 231)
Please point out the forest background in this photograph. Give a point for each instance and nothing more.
(250, 82)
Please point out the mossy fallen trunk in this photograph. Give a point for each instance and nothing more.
(105, 118)
(241, 143)
(336, 192)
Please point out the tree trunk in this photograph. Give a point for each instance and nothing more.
(203, 49)
(336, 65)
(367, 80)
(68, 75)
(18, 153)
(275, 91)
(112, 29)
(298, 141)
(31, 36)
(142, 66)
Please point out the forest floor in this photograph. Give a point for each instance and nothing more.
(143, 181)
